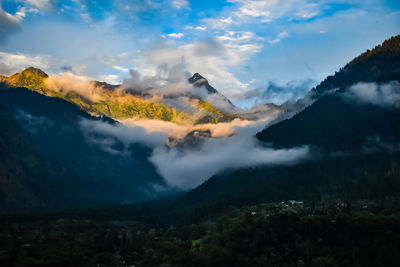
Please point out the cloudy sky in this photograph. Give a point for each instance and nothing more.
(278, 49)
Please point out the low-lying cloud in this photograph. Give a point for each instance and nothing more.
(108, 135)
(277, 94)
(175, 131)
(383, 95)
(72, 83)
(189, 168)
(231, 146)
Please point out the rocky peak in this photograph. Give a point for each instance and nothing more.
(32, 71)
(198, 81)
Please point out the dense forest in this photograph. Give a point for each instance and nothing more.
(290, 233)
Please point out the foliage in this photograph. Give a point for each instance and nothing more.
(60, 165)
(335, 124)
(31, 78)
(214, 115)
(117, 106)
(272, 234)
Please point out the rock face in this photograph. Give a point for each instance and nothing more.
(198, 81)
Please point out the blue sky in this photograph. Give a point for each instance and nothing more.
(253, 51)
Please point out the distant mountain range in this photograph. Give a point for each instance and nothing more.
(111, 101)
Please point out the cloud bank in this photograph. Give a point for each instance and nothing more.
(277, 94)
(231, 146)
(107, 136)
(11, 63)
(166, 80)
(213, 58)
(383, 95)
(188, 168)
(73, 83)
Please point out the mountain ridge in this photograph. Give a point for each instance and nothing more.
(117, 106)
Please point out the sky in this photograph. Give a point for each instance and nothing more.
(253, 51)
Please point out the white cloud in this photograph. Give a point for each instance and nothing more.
(279, 37)
(179, 4)
(278, 94)
(198, 28)
(41, 4)
(17, 62)
(254, 8)
(307, 15)
(232, 146)
(188, 168)
(267, 11)
(167, 80)
(219, 23)
(80, 84)
(212, 58)
(237, 36)
(120, 68)
(22, 11)
(110, 78)
(176, 35)
(117, 62)
(126, 134)
(384, 95)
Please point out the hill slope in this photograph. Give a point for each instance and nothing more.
(48, 156)
(104, 99)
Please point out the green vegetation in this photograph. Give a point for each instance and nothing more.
(273, 234)
(116, 106)
(213, 115)
(48, 160)
(129, 107)
(140, 109)
(31, 78)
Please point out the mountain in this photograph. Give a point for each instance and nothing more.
(199, 81)
(333, 118)
(50, 160)
(103, 99)
(354, 142)
(381, 64)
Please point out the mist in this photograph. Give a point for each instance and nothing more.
(69, 82)
(231, 146)
(383, 95)
(188, 168)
